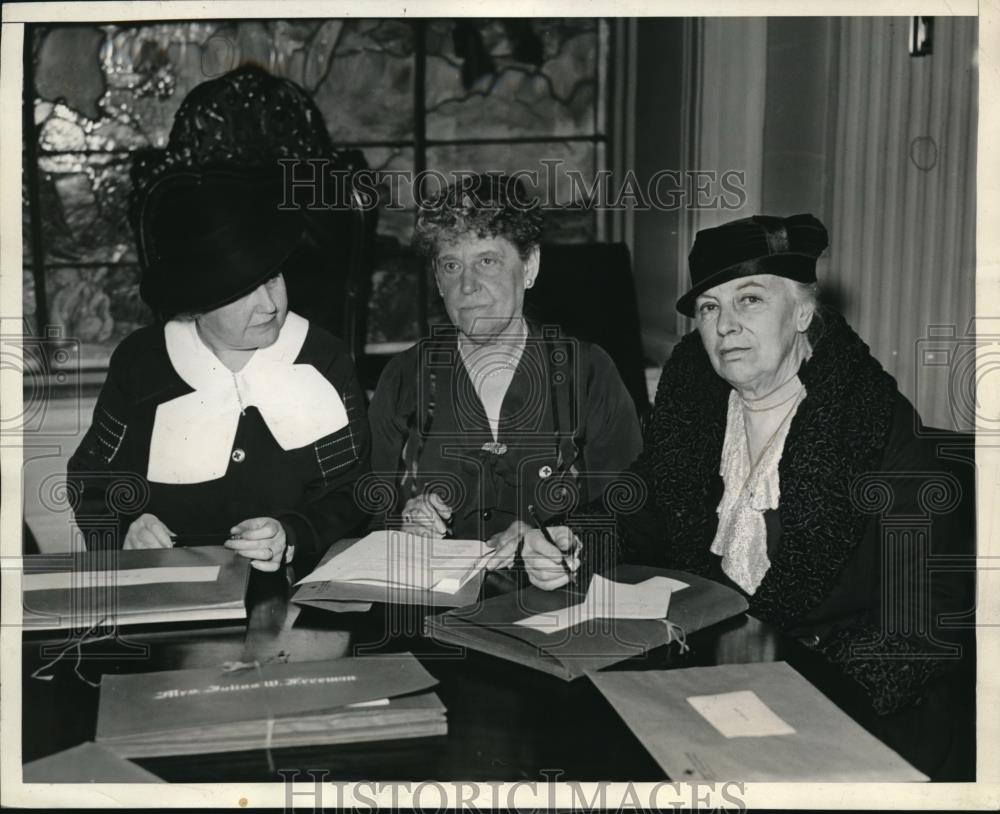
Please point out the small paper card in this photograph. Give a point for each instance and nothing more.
(610, 600)
(740, 714)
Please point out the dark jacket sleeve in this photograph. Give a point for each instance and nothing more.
(101, 492)
(923, 542)
(330, 508)
(617, 489)
(392, 401)
(636, 523)
(612, 427)
(388, 428)
(624, 525)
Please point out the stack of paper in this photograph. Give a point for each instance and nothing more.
(393, 566)
(133, 587)
(566, 634)
(746, 722)
(268, 706)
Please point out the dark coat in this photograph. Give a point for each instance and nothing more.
(309, 490)
(567, 426)
(863, 506)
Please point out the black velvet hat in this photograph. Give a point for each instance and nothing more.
(787, 247)
(209, 237)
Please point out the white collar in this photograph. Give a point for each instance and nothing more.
(193, 434)
(197, 365)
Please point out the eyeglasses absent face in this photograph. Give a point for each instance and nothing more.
(482, 282)
(252, 321)
(749, 328)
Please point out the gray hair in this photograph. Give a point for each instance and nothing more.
(809, 294)
(806, 293)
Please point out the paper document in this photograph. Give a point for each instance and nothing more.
(66, 580)
(740, 714)
(406, 560)
(611, 600)
(758, 722)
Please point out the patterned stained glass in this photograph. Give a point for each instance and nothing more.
(509, 78)
(26, 256)
(103, 91)
(397, 208)
(392, 308)
(118, 88)
(370, 54)
(28, 297)
(84, 215)
(98, 306)
(557, 172)
(395, 294)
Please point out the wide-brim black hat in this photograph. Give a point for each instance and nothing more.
(209, 237)
(787, 247)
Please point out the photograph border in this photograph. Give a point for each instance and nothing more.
(985, 793)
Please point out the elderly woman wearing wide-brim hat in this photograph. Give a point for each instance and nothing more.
(768, 419)
(245, 420)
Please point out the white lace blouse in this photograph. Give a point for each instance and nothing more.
(741, 539)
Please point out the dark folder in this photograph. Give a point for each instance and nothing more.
(261, 706)
(142, 586)
(490, 626)
(86, 763)
(747, 722)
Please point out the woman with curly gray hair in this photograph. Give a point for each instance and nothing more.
(493, 414)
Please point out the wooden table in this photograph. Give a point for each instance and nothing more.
(505, 722)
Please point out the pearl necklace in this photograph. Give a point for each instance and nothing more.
(767, 409)
(510, 357)
(503, 368)
(755, 464)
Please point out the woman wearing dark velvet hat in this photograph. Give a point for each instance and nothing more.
(245, 420)
(770, 419)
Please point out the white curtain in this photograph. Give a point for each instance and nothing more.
(727, 119)
(903, 208)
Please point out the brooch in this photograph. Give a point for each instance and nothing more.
(494, 448)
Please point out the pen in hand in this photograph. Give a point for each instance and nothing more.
(548, 538)
(449, 520)
(427, 513)
(207, 538)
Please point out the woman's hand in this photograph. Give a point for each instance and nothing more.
(261, 540)
(504, 544)
(426, 514)
(148, 531)
(543, 561)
